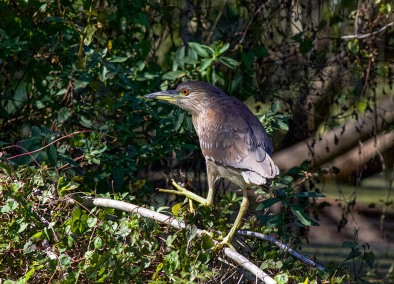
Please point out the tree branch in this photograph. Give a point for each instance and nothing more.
(362, 153)
(280, 245)
(338, 140)
(382, 29)
(131, 208)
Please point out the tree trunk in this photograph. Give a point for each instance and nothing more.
(321, 150)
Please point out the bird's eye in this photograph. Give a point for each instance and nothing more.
(185, 92)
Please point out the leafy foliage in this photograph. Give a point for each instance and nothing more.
(72, 77)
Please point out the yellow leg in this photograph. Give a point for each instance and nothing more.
(191, 207)
(242, 210)
(191, 195)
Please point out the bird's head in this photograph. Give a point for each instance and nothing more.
(192, 96)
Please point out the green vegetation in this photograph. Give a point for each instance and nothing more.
(74, 122)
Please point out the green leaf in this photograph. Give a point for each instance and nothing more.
(65, 186)
(52, 154)
(98, 242)
(205, 64)
(191, 233)
(179, 121)
(22, 227)
(202, 50)
(207, 242)
(172, 75)
(63, 114)
(85, 122)
(275, 106)
(369, 258)
(311, 194)
(30, 273)
(176, 209)
(283, 125)
(171, 262)
(29, 247)
(261, 51)
(224, 48)
(78, 221)
(306, 45)
(5, 168)
(10, 206)
(229, 62)
(281, 278)
(118, 59)
(91, 221)
(301, 215)
(267, 203)
(64, 260)
(89, 34)
(179, 57)
(355, 253)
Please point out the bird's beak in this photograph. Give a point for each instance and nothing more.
(169, 96)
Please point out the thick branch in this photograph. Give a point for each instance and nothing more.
(361, 154)
(336, 141)
(128, 207)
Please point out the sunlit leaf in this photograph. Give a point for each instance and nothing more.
(172, 75)
(229, 62)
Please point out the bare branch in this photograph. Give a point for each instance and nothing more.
(280, 245)
(46, 146)
(382, 29)
(128, 207)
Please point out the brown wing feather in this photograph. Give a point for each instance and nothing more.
(230, 134)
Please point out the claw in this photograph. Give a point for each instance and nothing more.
(225, 242)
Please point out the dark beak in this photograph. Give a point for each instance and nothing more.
(169, 96)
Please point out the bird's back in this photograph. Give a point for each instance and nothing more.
(232, 137)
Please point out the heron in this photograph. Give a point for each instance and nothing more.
(233, 141)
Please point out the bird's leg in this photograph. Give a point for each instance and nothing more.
(242, 210)
(191, 195)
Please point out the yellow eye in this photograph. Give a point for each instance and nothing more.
(185, 92)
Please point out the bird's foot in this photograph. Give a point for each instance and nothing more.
(225, 242)
(179, 190)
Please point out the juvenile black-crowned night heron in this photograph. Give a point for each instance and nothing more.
(233, 141)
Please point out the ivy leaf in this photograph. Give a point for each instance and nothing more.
(98, 242)
(29, 247)
(191, 233)
(369, 258)
(64, 260)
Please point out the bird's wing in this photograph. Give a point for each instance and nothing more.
(233, 136)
